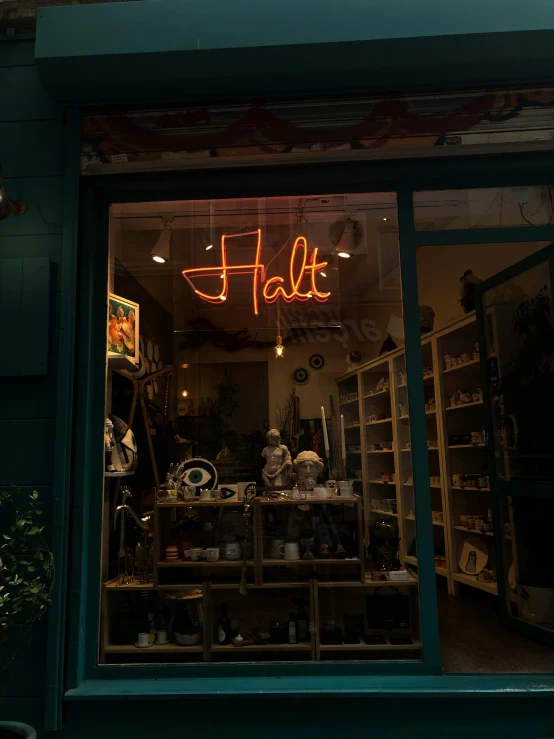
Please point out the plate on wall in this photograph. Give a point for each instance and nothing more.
(473, 555)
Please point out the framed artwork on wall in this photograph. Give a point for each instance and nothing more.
(123, 328)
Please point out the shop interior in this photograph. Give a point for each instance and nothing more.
(259, 499)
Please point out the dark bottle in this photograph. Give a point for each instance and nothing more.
(224, 626)
(292, 629)
(302, 625)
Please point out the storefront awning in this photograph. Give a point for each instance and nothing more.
(208, 49)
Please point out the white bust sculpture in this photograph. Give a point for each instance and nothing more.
(278, 466)
(307, 466)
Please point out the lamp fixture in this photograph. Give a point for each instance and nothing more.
(185, 393)
(162, 250)
(7, 205)
(279, 348)
(347, 243)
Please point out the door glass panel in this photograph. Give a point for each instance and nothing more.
(442, 210)
(519, 352)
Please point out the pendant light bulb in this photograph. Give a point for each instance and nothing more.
(162, 250)
(185, 393)
(279, 348)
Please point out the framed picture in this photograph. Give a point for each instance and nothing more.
(123, 328)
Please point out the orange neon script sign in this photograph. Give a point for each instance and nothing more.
(300, 267)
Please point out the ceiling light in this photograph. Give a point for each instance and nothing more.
(211, 246)
(162, 250)
(185, 393)
(347, 242)
(384, 219)
(323, 274)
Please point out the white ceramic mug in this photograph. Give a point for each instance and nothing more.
(346, 489)
(161, 637)
(166, 496)
(143, 639)
(206, 494)
(188, 492)
(292, 550)
(195, 553)
(212, 554)
(233, 550)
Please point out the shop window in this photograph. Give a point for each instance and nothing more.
(438, 210)
(254, 455)
(487, 351)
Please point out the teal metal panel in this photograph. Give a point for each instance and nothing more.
(39, 246)
(44, 212)
(27, 451)
(17, 54)
(31, 148)
(56, 652)
(35, 104)
(169, 50)
(24, 302)
(30, 397)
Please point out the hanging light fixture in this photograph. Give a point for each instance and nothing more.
(347, 243)
(279, 348)
(184, 391)
(7, 205)
(162, 251)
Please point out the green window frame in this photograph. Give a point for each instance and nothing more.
(88, 680)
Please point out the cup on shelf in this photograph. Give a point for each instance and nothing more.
(212, 554)
(161, 636)
(143, 639)
(466, 358)
(438, 517)
(166, 496)
(477, 437)
(463, 520)
(291, 551)
(233, 550)
(346, 489)
(207, 494)
(277, 548)
(447, 361)
(195, 553)
(188, 492)
(458, 481)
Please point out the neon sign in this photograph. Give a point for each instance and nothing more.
(300, 267)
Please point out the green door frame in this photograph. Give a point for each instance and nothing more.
(85, 677)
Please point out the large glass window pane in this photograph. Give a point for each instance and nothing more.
(439, 210)
(253, 509)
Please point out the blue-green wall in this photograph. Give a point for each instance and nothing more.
(31, 131)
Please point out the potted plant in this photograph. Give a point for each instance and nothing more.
(26, 579)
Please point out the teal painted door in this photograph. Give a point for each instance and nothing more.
(516, 326)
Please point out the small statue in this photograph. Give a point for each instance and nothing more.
(278, 467)
(307, 466)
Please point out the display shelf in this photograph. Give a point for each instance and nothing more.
(376, 423)
(474, 489)
(261, 586)
(413, 561)
(119, 474)
(406, 417)
(113, 585)
(348, 402)
(464, 405)
(375, 395)
(474, 531)
(435, 523)
(199, 503)
(367, 583)
(204, 563)
(383, 513)
(382, 482)
(431, 485)
(335, 500)
(488, 587)
(461, 366)
(416, 644)
(298, 647)
(381, 451)
(310, 562)
(172, 648)
(466, 446)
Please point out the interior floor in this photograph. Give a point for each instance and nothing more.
(473, 638)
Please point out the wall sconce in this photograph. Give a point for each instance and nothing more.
(162, 250)
(7, 205)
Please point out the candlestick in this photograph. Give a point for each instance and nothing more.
(343, 440)
(325, 437)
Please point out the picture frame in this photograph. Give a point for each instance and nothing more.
(123, 335)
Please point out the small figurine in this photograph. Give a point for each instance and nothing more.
(277, 470)
(307, 466)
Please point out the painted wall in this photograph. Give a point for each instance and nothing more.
(31, 130)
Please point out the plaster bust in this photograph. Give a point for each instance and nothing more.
(278, 466)
(307, 466)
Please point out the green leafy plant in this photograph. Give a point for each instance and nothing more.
(26, 563)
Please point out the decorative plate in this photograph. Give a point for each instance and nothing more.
(198, 472)
(150, 350)
(157, 353)
(316, 361)
(300, 376)
(473, 555)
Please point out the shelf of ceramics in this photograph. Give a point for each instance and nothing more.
(299, 647)
(411, 484)
(381, 451)
(348, 402)
(461, 366)
(466, 446)
(488, 587)
(413, 561)
(204, 563)
(474, 531)
(198, 503)
(484, 490)
(368, 583)
(119, 474)
(310, 562)
(335, 500)
(435, 523)
(432, 448)
(172, 648)
(376, 395)
(383, 513)
(416, 644)
(375, 423)
(464, 405)
(382, 482)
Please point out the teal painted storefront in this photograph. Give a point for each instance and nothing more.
(97, 54)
